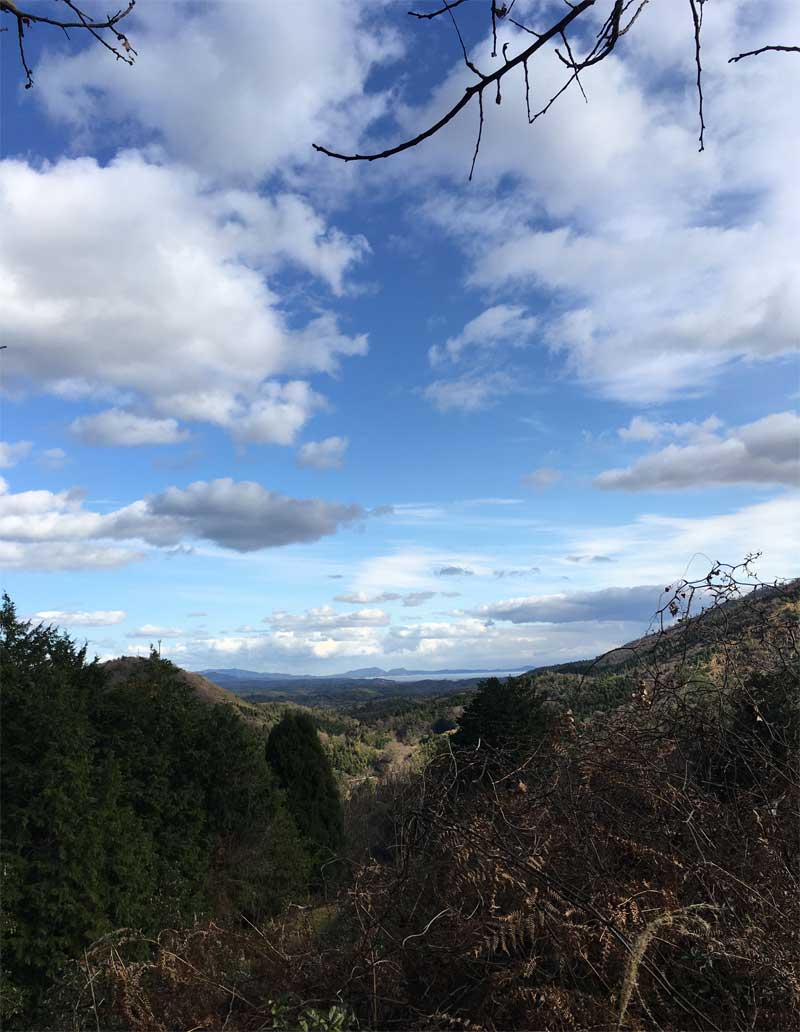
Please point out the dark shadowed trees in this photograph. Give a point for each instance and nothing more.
(295, 753)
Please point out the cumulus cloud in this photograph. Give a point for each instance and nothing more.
(764, 452)
(44, 529)
(11, 454)
(180, 278)
(463, 642)
(325, 618)
(688, 263)
(81, 618)
(241, 515)
(626, 604)
(118, 427)
(219, 85)
(541, 478)
(327, 454)
(154, 631)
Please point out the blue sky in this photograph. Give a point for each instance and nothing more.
(284, 413)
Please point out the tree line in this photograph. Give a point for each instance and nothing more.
(139, 806)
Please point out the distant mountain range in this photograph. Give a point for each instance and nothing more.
(234, 673)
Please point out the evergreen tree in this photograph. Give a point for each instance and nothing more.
(506, 715)
(50, 838)
(123, 804)
(295, 753)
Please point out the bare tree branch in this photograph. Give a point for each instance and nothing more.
(471, 91)
(435, 14)
(764, 50)
(622, 17)
(697, 18)
(120, 48)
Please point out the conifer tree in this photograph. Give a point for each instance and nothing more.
(295, 753)
(503, 715)
(50, 840)
(123, 804)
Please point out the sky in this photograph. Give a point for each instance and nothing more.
(283, 413)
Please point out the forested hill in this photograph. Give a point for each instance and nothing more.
(580, 846)
(127, 670)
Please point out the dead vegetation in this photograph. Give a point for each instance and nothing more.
(637, 870)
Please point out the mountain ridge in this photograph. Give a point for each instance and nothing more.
(367, 673)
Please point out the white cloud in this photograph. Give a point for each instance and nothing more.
(82, 618)
(542, 478)
(155, 632)
(469, 392)
(659, 266)
(239, 90)
(53, 458)
(764, 452)
(640, 428)
(138, 282)
(43, 529)
(479, 349)
(11, 454)
(117, 427)
(652, 547)
(412, 569)
(411, 599)
(362, 598)
(500, 325)
(291, 648)
(327, 454)
(327, 619)
(64, 555)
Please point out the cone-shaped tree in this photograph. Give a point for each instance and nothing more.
(503, 715)
(295, 753)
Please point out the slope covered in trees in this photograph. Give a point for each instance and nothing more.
(126, 802)
(592, 848)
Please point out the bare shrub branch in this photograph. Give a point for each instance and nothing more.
(106, 32)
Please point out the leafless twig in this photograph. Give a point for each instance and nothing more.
(121, 47)
(764, 50)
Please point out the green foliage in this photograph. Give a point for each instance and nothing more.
(135, 805)
(303, 770)
(51, 837)
(335, 1019)
(350, 756)
(503, 715)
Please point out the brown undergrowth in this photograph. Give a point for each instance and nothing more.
(635, 871)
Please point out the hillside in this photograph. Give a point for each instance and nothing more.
(695, 629)
(584, 846)
(125, 669)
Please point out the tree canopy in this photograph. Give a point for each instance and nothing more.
(128, 806)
